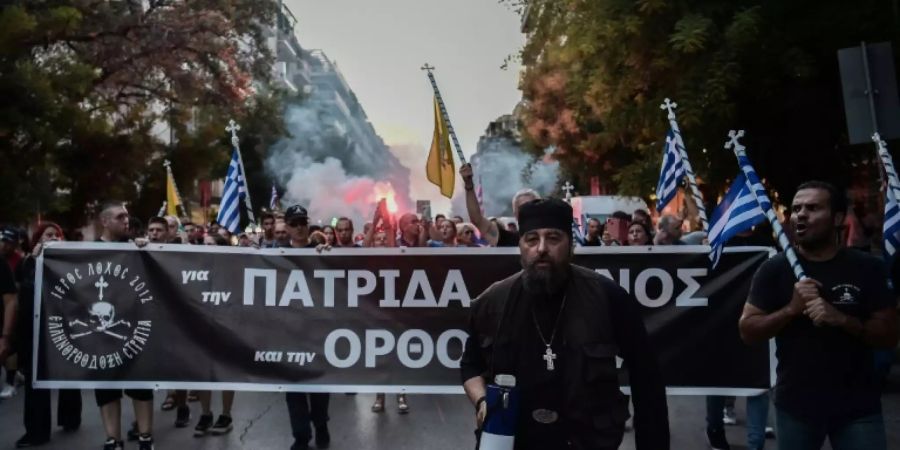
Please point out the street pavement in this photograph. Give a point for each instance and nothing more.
(436, 422)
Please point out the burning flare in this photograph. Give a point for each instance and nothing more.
(384, 190)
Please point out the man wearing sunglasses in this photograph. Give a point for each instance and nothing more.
(305, 408)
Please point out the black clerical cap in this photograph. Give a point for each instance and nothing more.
(545, 213)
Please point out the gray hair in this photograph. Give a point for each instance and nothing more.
(668, 220)
(520, 194)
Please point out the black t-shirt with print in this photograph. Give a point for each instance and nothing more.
(824, 372)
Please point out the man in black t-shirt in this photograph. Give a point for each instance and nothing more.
(826, 328)
(115, 221)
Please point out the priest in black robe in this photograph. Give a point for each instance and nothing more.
(558, 328)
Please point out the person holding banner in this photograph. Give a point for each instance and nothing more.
(305, 408)
(37, 410)
(558, 328)
(114, 219)
(826, 327)
(224, 424)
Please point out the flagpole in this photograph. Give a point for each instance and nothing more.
(759, 192)
(233, 128)
(440, 100)
(670, 106)
(178, 196)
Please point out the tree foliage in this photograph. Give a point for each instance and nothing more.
(596, 72)
(93, 90)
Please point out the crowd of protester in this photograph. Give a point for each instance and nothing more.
(285, 229)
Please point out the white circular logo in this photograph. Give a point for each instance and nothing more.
(85, 318)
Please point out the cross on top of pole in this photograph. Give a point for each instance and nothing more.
(669, 106)
(167, 163)
(733, 137)
(427, 67)
(233, 128)
(568, 188)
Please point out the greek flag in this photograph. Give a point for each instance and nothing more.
(739, 211)
(234, 192)
(891, 229)
(670, 174)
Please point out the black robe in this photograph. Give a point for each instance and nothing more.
(599, 321)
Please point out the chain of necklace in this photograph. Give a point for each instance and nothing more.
(555, 326)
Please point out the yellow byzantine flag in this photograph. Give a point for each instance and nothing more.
(440, 169)
(173, 200)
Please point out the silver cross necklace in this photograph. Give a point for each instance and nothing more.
(549, 356)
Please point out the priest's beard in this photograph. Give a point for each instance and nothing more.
(548, 281)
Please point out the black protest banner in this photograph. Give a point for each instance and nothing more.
(367, 320)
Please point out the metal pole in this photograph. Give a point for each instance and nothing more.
(670, 106)
(440, 100)
(870, 92)
(765, 204)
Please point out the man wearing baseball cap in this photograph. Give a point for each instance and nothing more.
(305, 408)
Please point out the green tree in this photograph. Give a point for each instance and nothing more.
(88, 86)
(596, 72)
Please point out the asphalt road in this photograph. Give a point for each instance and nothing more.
(436, 422)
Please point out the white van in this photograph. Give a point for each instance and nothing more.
(601, 207)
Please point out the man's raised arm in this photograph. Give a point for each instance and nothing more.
(487, 228)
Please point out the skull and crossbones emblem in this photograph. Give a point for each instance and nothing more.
(102, 318)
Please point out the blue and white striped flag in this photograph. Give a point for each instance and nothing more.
(671, 173)
(234, 192)
(891, 228)
(273, 201)
(738, 212)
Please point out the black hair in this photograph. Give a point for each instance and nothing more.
(110, 204)
(641, 212)
(344, 218)
(158, 220)
(135, 225)
(219, 239)
(622, 215)
(266, 215)
(646, 231)
(836, 198)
